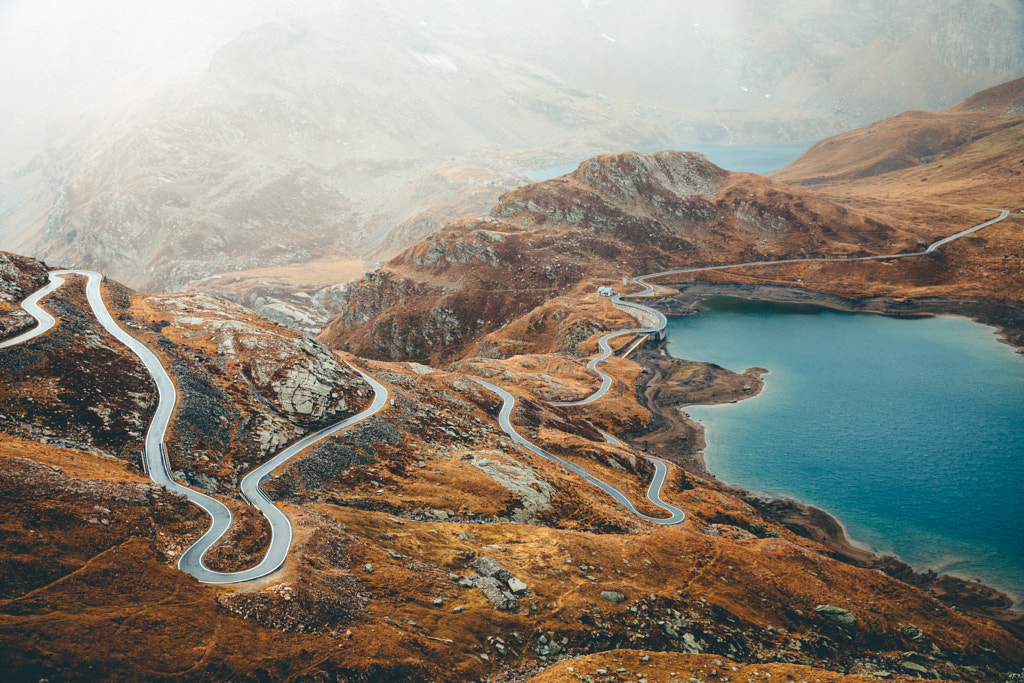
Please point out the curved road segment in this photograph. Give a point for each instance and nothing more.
(154, 458)
(625, 306)
(653, 491)
(156, 465)
(44, 321)
(659, 328)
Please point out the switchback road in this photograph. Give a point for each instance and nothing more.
(653, 491)
(155, 462)
(633, 307)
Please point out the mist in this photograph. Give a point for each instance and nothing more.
(165, 141)
(62, 59)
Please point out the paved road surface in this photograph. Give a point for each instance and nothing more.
(155, 461)
(44, 321)
(653, 492)
(659, 328)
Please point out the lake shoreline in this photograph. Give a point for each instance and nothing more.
(676, 437)
(1007, 318)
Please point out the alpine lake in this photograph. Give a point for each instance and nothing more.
(910, 432)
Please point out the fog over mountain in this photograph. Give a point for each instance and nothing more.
(165, 143)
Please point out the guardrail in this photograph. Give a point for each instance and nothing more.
(654, 321)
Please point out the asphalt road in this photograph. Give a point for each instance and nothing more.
(653, 492)
(156, 465)
(44, 321)
(618, 302)
(191, 561)
(642, 280)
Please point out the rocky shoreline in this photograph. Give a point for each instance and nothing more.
(1006, 317)
(669, 384)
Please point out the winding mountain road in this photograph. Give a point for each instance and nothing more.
(30, 304)
(154, 458)
(661, 321)
(653, 491)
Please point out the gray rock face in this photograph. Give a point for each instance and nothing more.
(494, 591)
(497, 583)
(520, 479)
(491, 568)
(690, 644)
(836, 614)
(613, 596)
(911, 666)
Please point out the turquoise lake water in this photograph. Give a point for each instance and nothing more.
(910, 432)
(749, 158)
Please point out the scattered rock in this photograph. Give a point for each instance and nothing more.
(492, 568)
(912, 666)
(494, 592)
(516, 586)
(613, 596)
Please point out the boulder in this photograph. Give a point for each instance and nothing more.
(613, 596)
(911, 666)
(492, 589)
(492, 568)
(836, 614)
(690, 644)
(516, 586)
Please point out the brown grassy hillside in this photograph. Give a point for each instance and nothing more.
(389, 517)
(617, 214)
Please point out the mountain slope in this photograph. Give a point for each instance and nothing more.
(899, 169)
(391, 522)
(312, 137)
(292, 146)
(915, 139)
(617, 214)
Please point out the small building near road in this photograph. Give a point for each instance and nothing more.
(605, 291)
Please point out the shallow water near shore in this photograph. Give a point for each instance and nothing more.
(910, 432)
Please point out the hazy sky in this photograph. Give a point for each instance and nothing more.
(62, 58)
(59, 58)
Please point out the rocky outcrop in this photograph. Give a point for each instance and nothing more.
(298, 377)
(520, 480)
(247, 386)
(836, 614)
(617, 214)
(497, 583)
